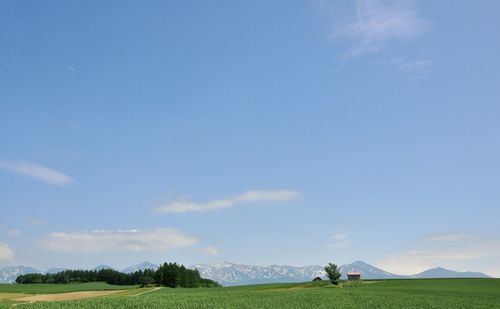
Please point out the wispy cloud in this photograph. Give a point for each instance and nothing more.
(378, 23)
(459, 251)
(6, 253)
(446, 237)
(404, 64)
(340, 240)
(184, 205)
(74, 125)
(13, 233)
(38, 172)
(210, 251)
(117, 240)
(36, 221)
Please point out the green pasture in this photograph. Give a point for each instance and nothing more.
(417, 293)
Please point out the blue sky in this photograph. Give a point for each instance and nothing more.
(270, 132)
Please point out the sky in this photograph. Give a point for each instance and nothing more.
(255, 132)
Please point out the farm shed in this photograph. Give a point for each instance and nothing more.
(317, 279)
(352, 276)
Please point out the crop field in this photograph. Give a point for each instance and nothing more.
(421, 293)
(26, 293)
(60, 288)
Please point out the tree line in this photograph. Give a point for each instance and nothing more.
(169, 274)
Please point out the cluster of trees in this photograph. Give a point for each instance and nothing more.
(175, 275)
(79, 276)
(170, 275)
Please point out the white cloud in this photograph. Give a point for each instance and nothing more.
(184, 205)
(340, 240)
(379, 22)
(117, 240)
(210, 251)
(6, 252)
(36, 171)
(458, 251)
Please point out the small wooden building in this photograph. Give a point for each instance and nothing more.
(353, 276)
(317, 279)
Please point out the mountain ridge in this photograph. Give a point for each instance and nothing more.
(440, 272)
(9, 274)
(228, 273)
(140, 267)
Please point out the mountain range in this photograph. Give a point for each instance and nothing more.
(233, 274)
(237, 274)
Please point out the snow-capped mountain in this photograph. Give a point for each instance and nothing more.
(228, 273)
(367, 271)
(234, 274)
(9, 274)
(440, 272)
(140, 267)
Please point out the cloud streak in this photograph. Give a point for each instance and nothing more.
(213, 251)
(38, 172)
(379, 22)
(184, 205)
(411, 65)
(14, 233)
(340, 240)
(116, 240)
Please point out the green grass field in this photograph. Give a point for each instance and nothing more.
(425, 293)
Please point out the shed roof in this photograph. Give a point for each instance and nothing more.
(352, 273)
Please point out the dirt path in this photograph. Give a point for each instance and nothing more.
(152, 290)
(9, 295)
(65, 296)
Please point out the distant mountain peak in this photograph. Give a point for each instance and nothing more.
(439, 272)
(103, 266)
(437, 268)
(140, 267)
(367, 271)
(360, 263)
(146, 263)
(9, 274)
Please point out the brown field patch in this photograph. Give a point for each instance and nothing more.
(65, 296)
(8, 295)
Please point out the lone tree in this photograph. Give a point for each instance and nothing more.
(333, 273)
